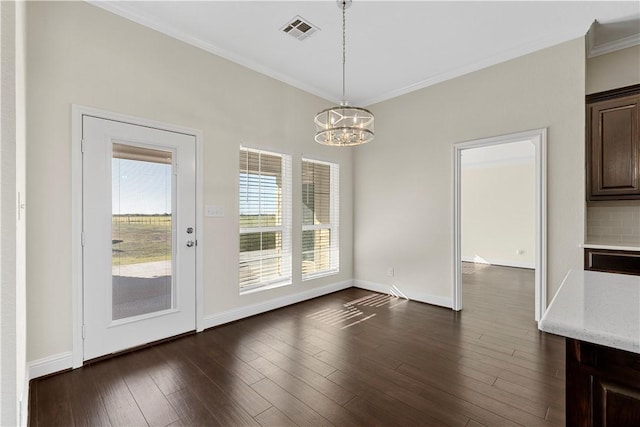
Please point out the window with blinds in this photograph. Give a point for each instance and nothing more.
(320, 218)
(265, 219)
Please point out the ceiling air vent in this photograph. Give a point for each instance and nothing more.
(299, 28)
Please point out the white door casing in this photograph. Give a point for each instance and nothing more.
(538, 138)
(102, 334)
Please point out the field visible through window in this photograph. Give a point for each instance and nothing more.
(140, 238)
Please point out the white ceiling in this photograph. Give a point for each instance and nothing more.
(393, 47)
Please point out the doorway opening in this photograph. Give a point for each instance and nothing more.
(537, 139)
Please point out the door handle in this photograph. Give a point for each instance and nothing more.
(190, 243)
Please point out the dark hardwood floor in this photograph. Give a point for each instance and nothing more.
(352, 358)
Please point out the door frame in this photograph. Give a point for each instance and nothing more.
(77, 113)
(539, 139)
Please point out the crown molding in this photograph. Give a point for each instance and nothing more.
(534, 46)
(115, 8)
(613, 46)
(539, 44)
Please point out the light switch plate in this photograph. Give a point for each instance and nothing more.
(213, 211)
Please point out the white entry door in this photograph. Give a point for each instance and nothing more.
(139, 258)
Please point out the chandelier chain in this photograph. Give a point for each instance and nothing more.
(344, 48)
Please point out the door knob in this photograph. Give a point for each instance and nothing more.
(190, 243)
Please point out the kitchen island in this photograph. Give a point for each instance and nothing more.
(599, 314)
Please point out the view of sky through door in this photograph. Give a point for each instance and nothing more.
(147, 190)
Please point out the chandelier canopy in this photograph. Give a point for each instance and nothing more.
(344, 125)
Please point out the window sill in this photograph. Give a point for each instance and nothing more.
(265, 287)
(319, 274)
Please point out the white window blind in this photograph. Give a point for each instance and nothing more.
(265, 219)
(320, 218)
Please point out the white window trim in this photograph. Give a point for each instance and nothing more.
(334, 221)
(284, 228)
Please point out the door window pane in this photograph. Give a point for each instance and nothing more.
(141, 226)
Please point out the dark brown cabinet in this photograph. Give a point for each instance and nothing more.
(613, 144)
(603, 386)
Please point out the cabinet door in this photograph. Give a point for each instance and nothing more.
(614, 139)
(602, 386)
(615, 404)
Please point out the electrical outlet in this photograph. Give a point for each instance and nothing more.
(390, 272)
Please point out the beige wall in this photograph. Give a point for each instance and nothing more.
(498, 214)
(613, 70)
(78, 53)
(403, 181)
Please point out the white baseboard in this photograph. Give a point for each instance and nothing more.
(251, 310)
(39, 368)
(63, 361)
(49, 365)
(502, 262)
(412, 295)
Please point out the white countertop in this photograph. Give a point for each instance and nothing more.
(600, 308)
